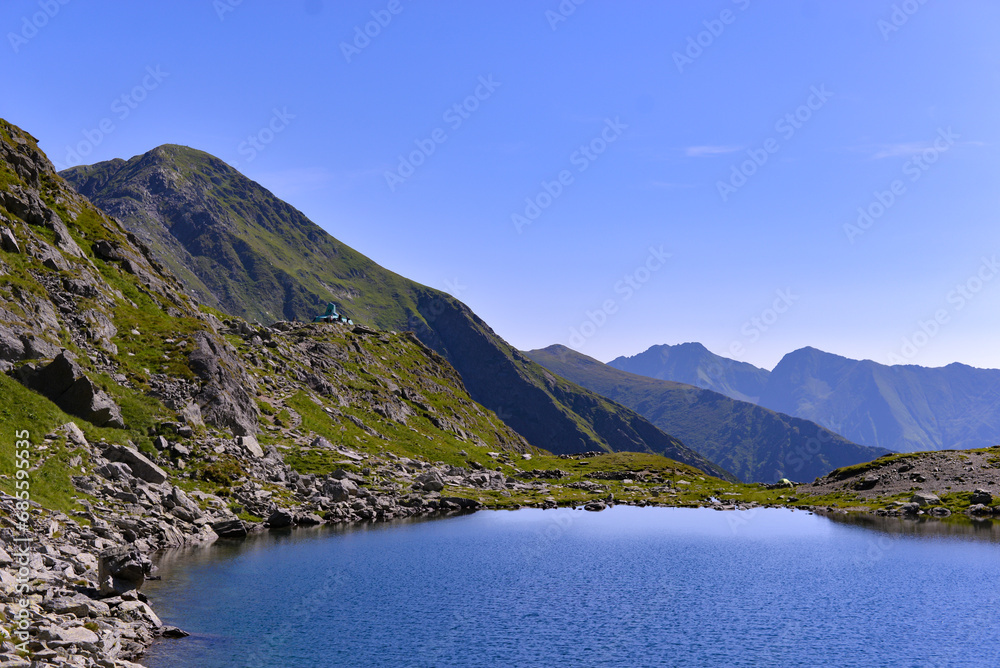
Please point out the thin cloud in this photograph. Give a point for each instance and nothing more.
(667, 185)
(709, 151)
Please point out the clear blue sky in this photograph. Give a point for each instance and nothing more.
(840, 103)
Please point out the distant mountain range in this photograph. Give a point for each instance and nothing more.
(905, 408)
(694, 364)
(756, 444)
(238, 248)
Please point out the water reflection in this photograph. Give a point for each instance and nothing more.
(956, 526)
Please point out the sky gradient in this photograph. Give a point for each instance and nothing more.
(755, 176)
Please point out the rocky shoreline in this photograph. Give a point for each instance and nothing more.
(71, 582)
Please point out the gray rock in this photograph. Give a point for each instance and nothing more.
(76, 635)
(925, 498)
(225, 398)
(340, 490)
(121, 569)
(114, 471)
(234, 528)
(11, 347)
(430, 481)
(141, 466)
(251, 445)
(981, 496)
(595, 506)
(8, 241)
(978, 510)
(64, 382)
(280, 519)
(173, 632)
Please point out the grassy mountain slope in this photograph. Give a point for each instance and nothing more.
(73, 281)
(694, 364)
(237, 246)
(754, 443)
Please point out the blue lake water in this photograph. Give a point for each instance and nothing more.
(623, 587)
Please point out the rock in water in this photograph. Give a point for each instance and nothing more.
(280, 519)
(121, 569)
(230, 529)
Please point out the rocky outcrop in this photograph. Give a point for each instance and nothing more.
(64, 382)
(224, 399)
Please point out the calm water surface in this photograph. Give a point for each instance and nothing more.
(624, 587)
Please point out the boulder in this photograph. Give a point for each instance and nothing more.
(64, 382)
(141, 467)
(234, 528)
(320, 442)
(75, 635)
(339, 490)
(595, 506)
(11, 347)
(8, 241)
(121, 569)
(925, 498)
(280, 519)
(868, 482)
(114, 471)
(978, 510)
(173, 632)
(981, 496)
(430, 481)
(251, 445)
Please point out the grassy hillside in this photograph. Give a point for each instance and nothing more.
(239, 248)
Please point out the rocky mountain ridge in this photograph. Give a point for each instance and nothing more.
(237, 247)
(904, 408)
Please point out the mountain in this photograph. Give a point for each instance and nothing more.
(906, 408)
(237, 247)
(92, 325)
(754, 443)
(694, 364)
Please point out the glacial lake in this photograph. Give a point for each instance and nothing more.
(623, 587)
